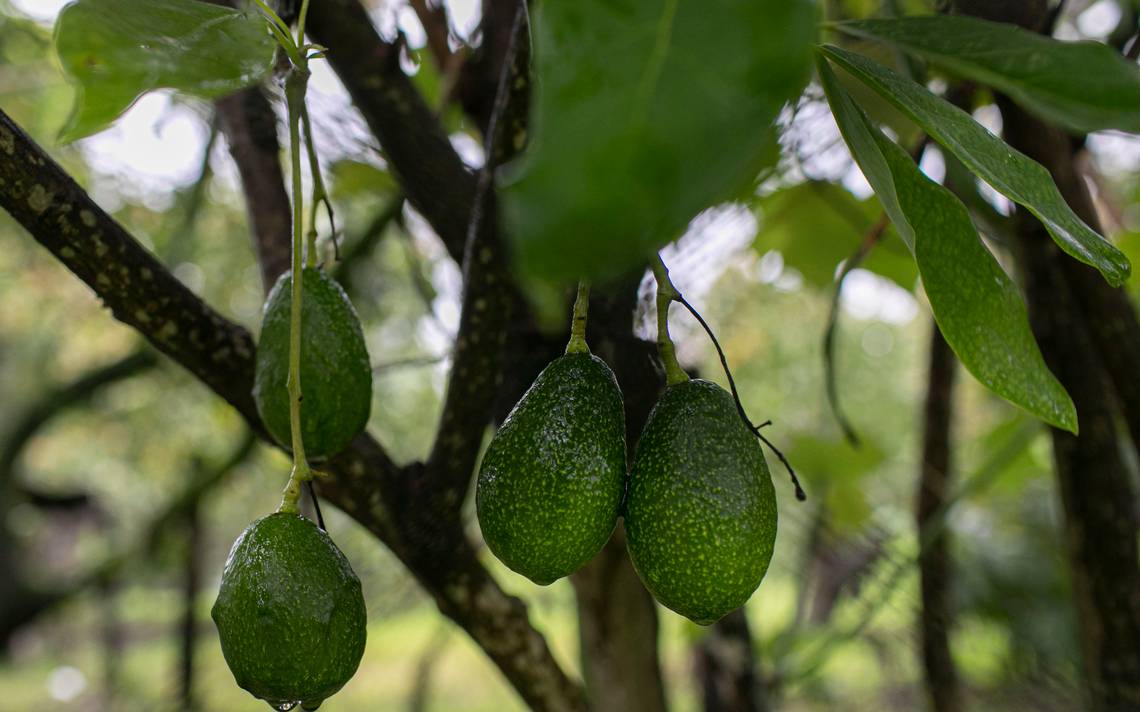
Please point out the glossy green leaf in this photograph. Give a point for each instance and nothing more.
(646, 112)
(1084, 86)
(1015, 175)
(977, 306)
(117, 50)
(817, 225)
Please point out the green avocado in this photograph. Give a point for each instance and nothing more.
(701, 510)
(552, 479)
(290, 613)
(336, 376)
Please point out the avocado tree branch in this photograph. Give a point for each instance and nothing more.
(435, 180)
(433, 16)
(943, 689)
(488, 299)
(1110, 315)
(59, 400)
(250, 126)
(364, 482)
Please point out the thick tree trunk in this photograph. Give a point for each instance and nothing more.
(727, 669)
(1094, 484)
(1084, 329)
(617, 630)
(1088, 336)
(935, 572)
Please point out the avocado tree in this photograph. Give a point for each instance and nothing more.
(606, 129)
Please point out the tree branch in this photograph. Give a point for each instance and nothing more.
(433, 16)
(488, 299)
(1066, 311)
(934, 565)
(250, 127)
(435, 179)
(1110, 316)
(60, 399)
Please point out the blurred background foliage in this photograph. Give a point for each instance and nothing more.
(833, 623)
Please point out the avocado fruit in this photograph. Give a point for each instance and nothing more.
(290, 613)
(551, 482)
(700, 514)
(336, 376)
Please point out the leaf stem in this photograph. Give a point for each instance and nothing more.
(301, 17)
(666, 294)
(578, 343)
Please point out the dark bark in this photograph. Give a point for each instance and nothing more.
(935, 570)
(364, 482)
(1087, 334)
(1095, 488)
(617, 634)
(250, 126)
(435, 179)
(1111, 316)
(726, 668)
(191, 586)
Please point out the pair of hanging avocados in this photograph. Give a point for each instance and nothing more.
(698, 503)
(290, 613)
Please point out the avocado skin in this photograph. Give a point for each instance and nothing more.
(701, 509)
(551, 482)
(336, 376)
(290, 612)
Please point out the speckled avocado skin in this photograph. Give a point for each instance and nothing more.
(552, 479)
(336, 376)
(290, 613)
(701, 509)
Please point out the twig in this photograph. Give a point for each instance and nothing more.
(410, 362)
(800, 494)
(487, 302)
(42, 411)
(870, 239)
(364, 244)
(316, 505)
(437, 27)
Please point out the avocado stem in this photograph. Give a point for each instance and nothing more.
(578, 343)
(320, 194)
(667, 293)
(295, 85)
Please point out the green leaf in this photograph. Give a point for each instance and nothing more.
(1083, 86)
(1010, 172)
(977, 306)
(117, 50)
(816, 225)
(351, 179)
(646, 112)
